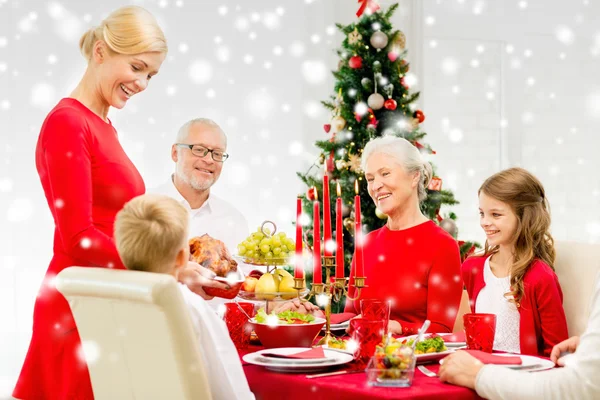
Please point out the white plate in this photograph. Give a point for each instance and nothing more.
(529, 360)
(338, 327)
(280, 365)
(449, 345)
(429, 357)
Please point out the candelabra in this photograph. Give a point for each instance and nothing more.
(332, 290)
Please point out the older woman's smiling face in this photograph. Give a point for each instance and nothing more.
(389, 184)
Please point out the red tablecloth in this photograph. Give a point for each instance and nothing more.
(268, 385)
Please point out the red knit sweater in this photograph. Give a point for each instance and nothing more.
(542, 319)
(418, 269)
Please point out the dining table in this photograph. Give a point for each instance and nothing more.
(266, 385)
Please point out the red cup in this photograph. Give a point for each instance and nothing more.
(480, 330)
(367, 334)
(236, 318)
(376, 310)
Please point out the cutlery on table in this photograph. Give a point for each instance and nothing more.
(427, 371)
(525, 367)
(348, 371)
(421, 332)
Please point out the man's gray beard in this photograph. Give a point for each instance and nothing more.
(192, 181)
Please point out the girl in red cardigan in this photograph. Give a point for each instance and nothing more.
(514, 278)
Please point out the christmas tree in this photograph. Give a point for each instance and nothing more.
(372, 98)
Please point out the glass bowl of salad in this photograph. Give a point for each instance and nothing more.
(286, 329)
(393, 365)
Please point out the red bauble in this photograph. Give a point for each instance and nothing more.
(419, 116)
(403, 83)
(390, 104)
(327, 127)
(393, 56)
(311, 194)
(355, 62)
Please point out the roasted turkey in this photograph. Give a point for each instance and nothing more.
(212, 254)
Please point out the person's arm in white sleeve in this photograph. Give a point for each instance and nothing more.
(578, 380)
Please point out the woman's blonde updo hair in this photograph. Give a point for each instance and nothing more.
(405, 154)
(127, 30)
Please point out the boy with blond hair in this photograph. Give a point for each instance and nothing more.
(151, 234)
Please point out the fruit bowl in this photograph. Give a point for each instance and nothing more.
(263, 261)
(271, 296)
(234, 279)
(284, 335)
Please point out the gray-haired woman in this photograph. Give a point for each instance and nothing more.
(410, 261)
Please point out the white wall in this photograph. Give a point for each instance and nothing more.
(272, 115)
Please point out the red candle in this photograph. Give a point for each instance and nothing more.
(358, 239)
(299, 268)
(317, 274)
(339, 232)
(326, 215)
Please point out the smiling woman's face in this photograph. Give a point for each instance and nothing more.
(390, 186)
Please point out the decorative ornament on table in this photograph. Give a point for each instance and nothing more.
(311, 194)
(380, 214)
(435, 184)
(354, 37)
(449, 226)
(355, 62)
(379, 40)
(419, 116)
(338, 123)
(354, 163)
(349, 225)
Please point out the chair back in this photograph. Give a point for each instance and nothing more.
(577, 265)
(136, 334)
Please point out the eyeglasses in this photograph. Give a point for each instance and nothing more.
(201, 151)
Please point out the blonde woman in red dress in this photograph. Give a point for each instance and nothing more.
(87, 178)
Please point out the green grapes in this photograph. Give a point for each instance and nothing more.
(258, 247)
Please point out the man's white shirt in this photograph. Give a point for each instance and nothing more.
(215, 217)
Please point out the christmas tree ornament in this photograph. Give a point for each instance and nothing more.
(327, 128)
(354, 163)
(311, 194)
(349, 225)
(419, 116)
(355, 62)
(346, 210)
(354, 37)
(390, 104)
(376, 66)
(340, 64)
(403, 83)
(388, 90)
(370, 6)
(393, 56)
(340, 164)
(330, 162)
(338, 124)
(399, 41)
(367, 84)
(413, 124)
(449, 226)
(375, 101)
(379, 40)
(380, 214)
(435, 184)
(404, 66)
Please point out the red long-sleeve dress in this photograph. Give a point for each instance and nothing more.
(418, 269)
(87, 178)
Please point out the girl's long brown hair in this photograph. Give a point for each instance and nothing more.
(525, 194)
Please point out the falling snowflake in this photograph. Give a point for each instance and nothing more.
(200, 72)
(86, 243)
(20, 210)
(314, 72)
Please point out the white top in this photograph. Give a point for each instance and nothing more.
(223, 365)
(578, 380)
(491, 300)
(216, 217)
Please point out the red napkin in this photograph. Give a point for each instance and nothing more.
(455, 337)
(342, 317)
(488, 358)
(316, 352)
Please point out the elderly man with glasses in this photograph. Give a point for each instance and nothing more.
(199, 152)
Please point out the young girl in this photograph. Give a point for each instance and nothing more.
(514, 278)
